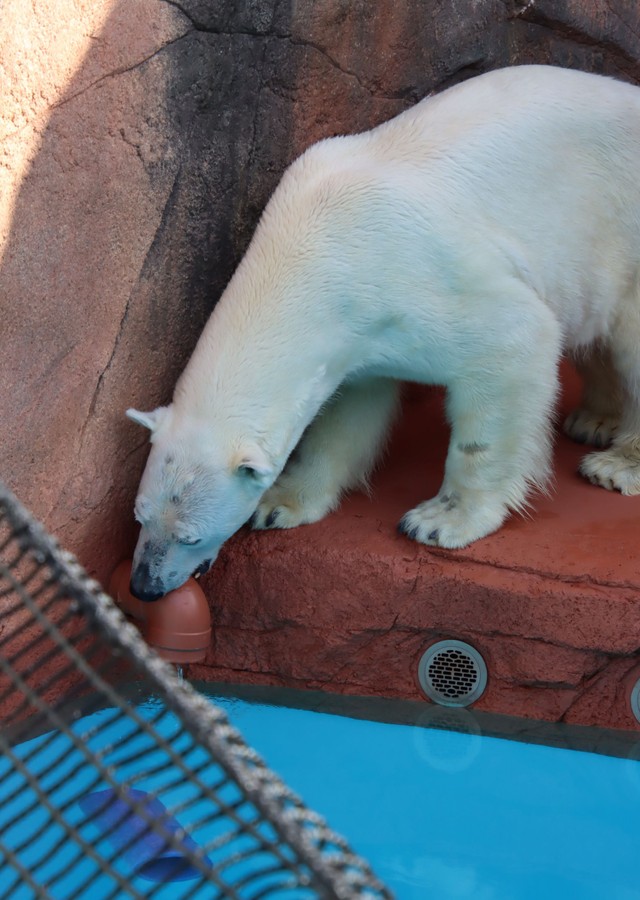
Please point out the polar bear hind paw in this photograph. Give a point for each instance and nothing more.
(446, 521)
(587, 427)
(615, 470)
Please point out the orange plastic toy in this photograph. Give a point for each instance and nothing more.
(178, 626)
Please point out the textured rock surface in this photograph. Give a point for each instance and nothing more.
(140, 141)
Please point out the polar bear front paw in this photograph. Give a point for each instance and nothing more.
(586, 427)
(615, 470)
(448, 521)
(280, 516)
(282, 507)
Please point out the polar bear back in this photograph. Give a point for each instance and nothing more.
(535, 166)
(528, 174)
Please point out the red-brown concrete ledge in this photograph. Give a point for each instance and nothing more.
(348, 605)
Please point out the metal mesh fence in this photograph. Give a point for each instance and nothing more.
(105, 797)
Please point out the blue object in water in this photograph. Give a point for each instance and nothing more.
(141, 845)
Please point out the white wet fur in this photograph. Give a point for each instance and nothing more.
(467, 242)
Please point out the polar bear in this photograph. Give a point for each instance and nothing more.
(468, 242)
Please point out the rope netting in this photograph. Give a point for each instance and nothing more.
(104, 796)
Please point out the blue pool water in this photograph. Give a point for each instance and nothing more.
(440, 815)
(443, 815)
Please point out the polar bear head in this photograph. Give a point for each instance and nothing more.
(198, 487)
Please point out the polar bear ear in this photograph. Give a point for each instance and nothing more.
(150, 420)
(254, 463)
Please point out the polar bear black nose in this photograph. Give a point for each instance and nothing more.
(141, 585)
(147, 596)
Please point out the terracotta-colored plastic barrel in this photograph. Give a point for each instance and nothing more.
(177, 626)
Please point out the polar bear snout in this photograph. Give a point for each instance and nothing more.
(161, 565)
(143, 586)
(148, 588)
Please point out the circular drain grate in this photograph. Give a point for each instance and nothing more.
(635, 700)
(452, 673)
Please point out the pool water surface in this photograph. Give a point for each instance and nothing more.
(438, 814)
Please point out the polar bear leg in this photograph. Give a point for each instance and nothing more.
(597, 418)
(618, 468)
(336, 452)
(500, 444)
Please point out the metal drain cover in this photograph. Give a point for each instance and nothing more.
(635, 700)
(452, 673)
